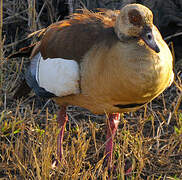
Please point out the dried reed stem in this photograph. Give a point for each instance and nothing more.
(70, 4)
(1, 27)
(32, 14)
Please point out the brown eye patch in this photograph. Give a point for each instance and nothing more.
(135, 18)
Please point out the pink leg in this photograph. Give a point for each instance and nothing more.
(128, 171)
(62, 119)
(112, 125)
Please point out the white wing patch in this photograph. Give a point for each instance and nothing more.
(58, 76)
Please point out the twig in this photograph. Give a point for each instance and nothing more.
(70, 4)
(9, 18)
(39, 32)
(14, 43)
(40, 12)
(1, 27)
(50, 9)
(31, 18)
(173, 35)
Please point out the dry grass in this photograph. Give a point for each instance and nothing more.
(150, 138)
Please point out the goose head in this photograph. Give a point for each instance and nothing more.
(136, 21)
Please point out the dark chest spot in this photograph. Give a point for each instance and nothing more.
(123, 106)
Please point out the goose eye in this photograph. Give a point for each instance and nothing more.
(134, 19)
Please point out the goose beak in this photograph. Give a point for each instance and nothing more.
(148, 37)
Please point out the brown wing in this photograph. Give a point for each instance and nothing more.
(72, 38)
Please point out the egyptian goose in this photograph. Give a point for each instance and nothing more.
(107, 62)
